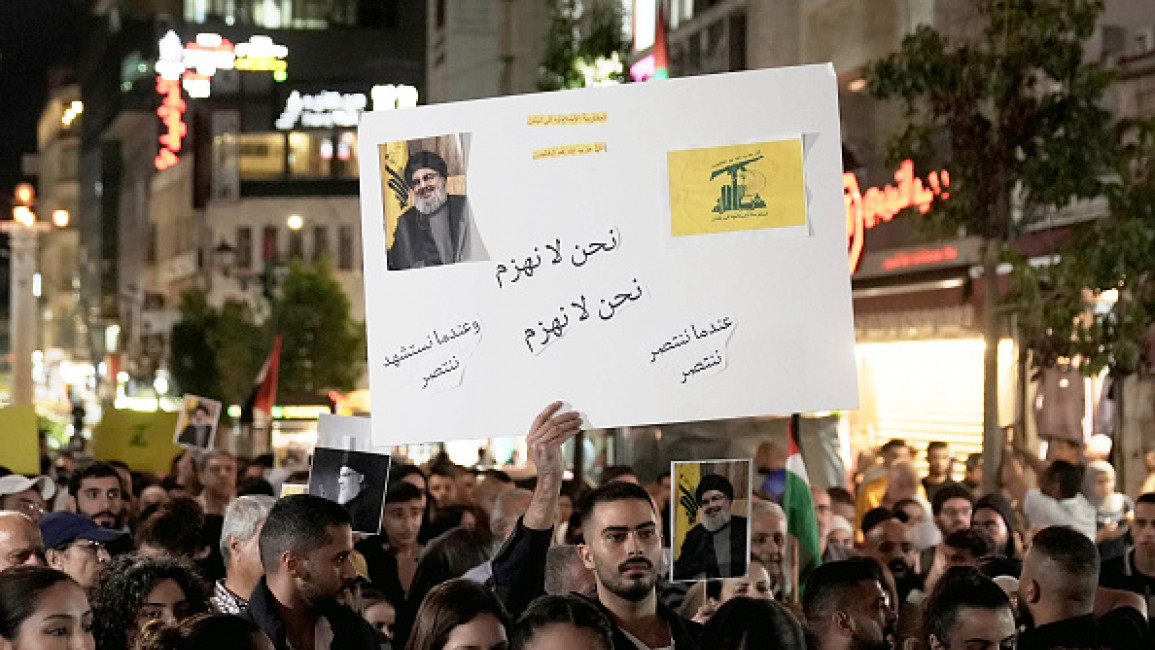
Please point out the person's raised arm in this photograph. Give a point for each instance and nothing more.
(519, 566)
(549, 431)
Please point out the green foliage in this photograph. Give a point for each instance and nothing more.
(1013, 114)
(579, 34)
(322, 347)
(1113, 253)
(193, 361)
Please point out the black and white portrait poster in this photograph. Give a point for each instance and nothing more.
(354, 479)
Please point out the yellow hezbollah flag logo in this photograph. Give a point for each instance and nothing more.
(686, 479)
(394, 185)
(737, 187)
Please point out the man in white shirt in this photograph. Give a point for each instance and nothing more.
(1057, 501)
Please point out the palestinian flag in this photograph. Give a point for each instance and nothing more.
(799, 507)
(661, 52)
(264, 394)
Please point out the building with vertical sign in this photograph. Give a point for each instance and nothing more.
(219, 143)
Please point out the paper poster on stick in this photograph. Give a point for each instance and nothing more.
(588, 246)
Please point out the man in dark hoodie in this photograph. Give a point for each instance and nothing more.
(306, 544)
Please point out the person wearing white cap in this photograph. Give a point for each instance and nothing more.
(29, 496)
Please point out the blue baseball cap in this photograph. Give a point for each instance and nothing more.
(62, 527)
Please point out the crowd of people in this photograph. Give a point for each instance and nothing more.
(99, 556)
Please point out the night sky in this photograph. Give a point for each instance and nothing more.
(36, 37)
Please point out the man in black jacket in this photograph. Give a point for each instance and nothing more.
(623, 547)
(306, 544)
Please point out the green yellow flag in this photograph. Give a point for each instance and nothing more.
(143, 440)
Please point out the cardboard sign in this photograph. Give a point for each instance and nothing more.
(143, 440)
(657, 252)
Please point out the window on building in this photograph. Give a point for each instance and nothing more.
(345, 248)
(296, 244)
(244, 248)
(262, 155)
(274, 14)
(320, 242)
(440, 14)
(269, 245)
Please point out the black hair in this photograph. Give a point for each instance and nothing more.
(894, 444)
(876, 516)
(935, 446)
(1072, 552)
(449, 604)
(840, 494)
(959, 588)
(994, 566)
(973, 540)
(446, 557)
(397, 474)
(999, 504)
(750, 623)
(610, 493)
(120, 590)
(1149, 497)
(21, 588)
(174, 526)
(298, 523)
(403, 492)
(254, 485)
(217, 631)
(1067, 477)
(900, 513)
(829, 586)
(548, 610)
(426, 160)
(947, 492)
(95, 469)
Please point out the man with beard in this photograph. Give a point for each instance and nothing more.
(889, 543)
(1059, 589)
(437, 229)
(95, 493)
(306, 544)
(623, 547)
(847, 608)
(716, 546)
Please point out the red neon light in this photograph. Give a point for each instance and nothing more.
(903, 259)
(171, 112)
(865, 210)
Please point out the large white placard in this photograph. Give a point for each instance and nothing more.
(657, 252)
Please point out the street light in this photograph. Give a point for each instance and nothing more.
(60, 218)
(295, 222)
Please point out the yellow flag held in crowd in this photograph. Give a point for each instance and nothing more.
(18, 439)
(686, 479)
(143, 440)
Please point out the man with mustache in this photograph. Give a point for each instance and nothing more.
(306, 544)
(715, 547)
(437, 229)
(623, 547)
(95, 492)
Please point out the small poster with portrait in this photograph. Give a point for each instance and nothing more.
(711, 528)
(196, 428)
(354, 479)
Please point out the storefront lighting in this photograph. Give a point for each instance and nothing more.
(295, 222)
(856, 86)
(60, 218)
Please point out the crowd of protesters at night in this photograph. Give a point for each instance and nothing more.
(96, 554)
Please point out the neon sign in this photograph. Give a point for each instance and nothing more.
(904, 259)
(261, 54)
(865, 210)
(171, 112)
(326, 109)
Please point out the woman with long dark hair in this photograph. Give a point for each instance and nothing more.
(134, 591)
(459, 614)
(43, 608)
